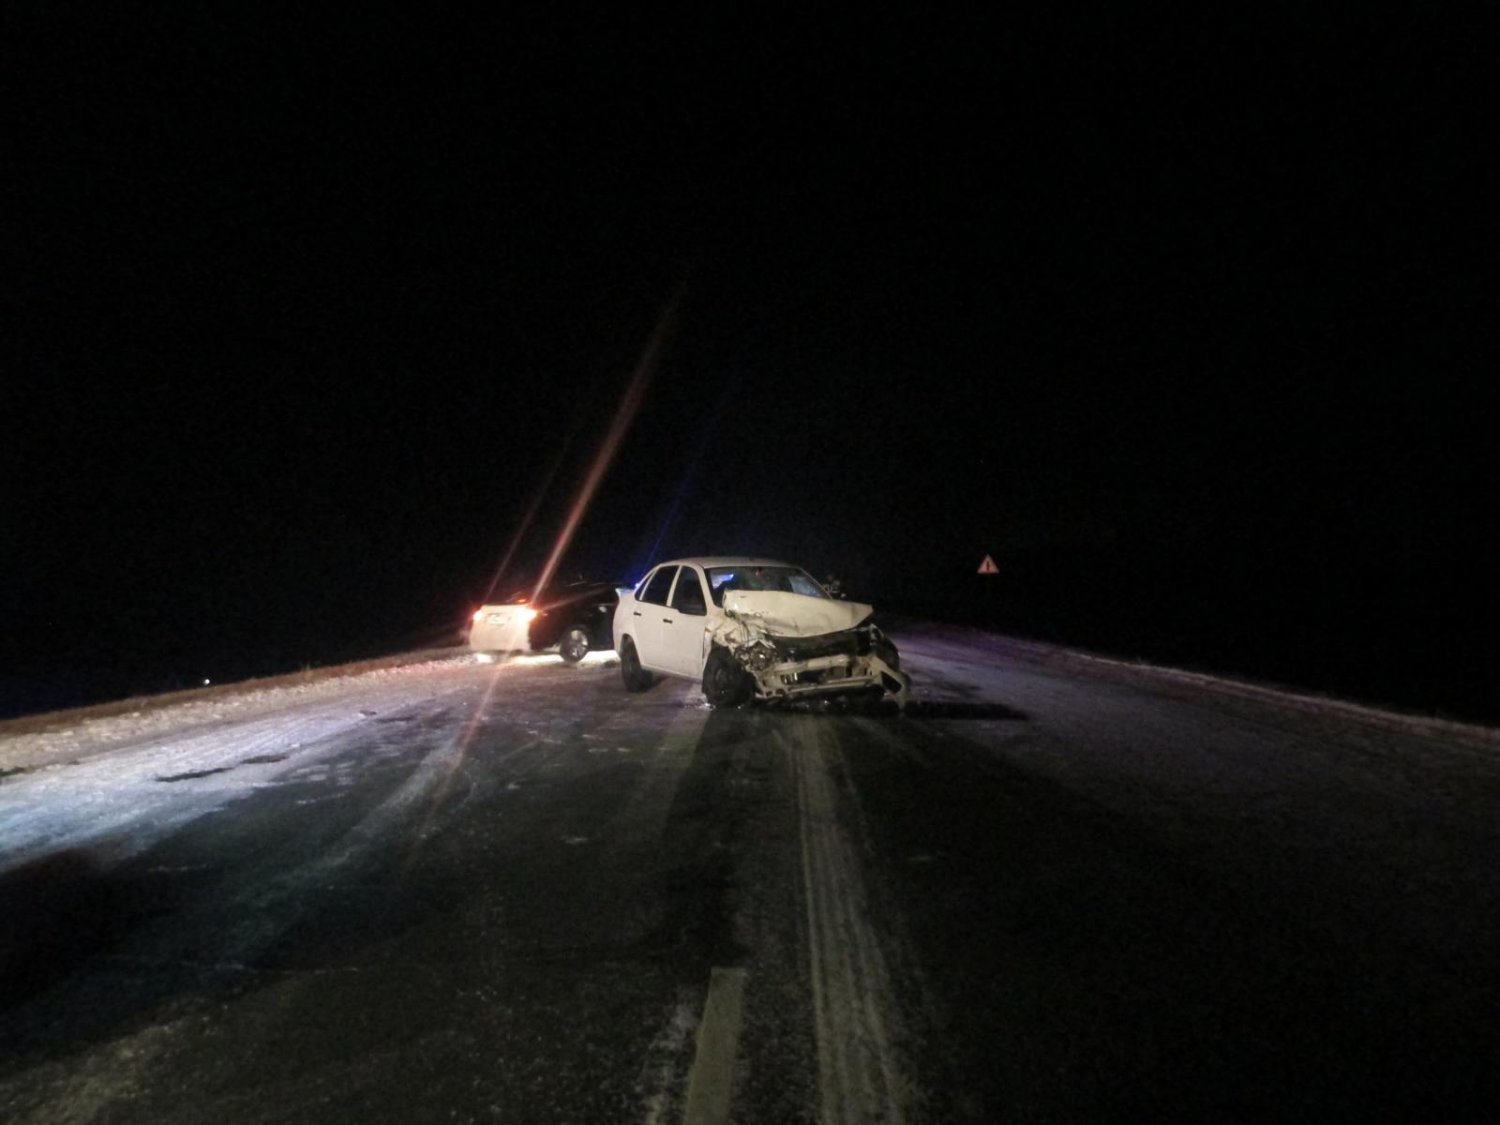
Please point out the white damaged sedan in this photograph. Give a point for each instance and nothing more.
(751, 628)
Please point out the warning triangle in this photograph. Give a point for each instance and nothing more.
(988, 566)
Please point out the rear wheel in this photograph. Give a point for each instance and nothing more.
(574, 644)
(634, 676)
(725, 683)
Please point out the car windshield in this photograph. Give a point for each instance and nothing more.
(787, 579)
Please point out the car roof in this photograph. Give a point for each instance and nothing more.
(707, 561)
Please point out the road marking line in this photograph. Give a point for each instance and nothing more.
(712, 1079)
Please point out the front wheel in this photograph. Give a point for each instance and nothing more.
(634, 676)
(574, 644)
(725, 683)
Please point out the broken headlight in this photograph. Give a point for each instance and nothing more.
(757, 656)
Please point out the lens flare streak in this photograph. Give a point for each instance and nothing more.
(630, 404)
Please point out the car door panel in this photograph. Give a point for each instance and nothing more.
(685, 623)
(648, 620)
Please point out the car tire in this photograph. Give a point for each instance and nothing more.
(632, 674)
(573, 645)
(725, 683)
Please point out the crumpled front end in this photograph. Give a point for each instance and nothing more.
(794, 646)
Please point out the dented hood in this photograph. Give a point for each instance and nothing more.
(795, 615)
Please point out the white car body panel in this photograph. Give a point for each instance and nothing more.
(684, 643)
(501, 628)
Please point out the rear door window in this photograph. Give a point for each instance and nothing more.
(658, 586)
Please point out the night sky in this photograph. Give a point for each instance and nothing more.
(1191, 325)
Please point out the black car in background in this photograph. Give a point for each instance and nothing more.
(571, 617)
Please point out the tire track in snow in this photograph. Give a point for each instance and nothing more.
(859, 1078)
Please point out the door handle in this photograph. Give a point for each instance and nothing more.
(635, 613)
(666, 620)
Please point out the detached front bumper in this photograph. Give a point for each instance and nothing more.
(857, 660)
(830, 675)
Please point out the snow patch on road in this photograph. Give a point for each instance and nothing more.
(117, 784)
(65, 737)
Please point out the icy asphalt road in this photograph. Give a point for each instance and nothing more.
(1056, 890)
